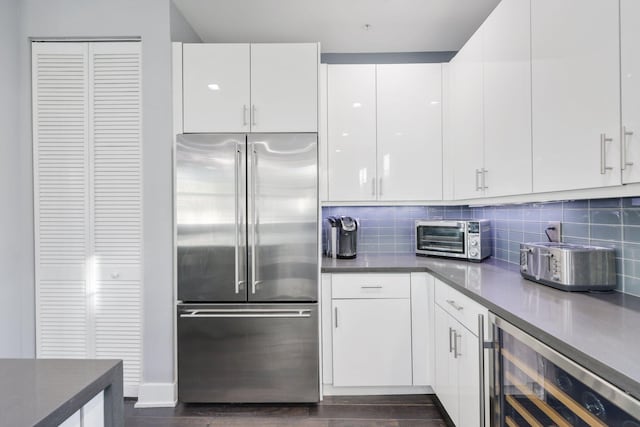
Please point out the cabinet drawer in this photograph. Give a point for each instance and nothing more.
(462, 308)
(370, 286)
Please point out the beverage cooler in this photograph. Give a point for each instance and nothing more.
(534, 385)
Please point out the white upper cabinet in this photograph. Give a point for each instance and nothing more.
(284, 87)
(507, 99)
(351, 100)
(216, 87)
(466, 119)
(409, 131)
(575, 48)
(630, 35)
(257, 87)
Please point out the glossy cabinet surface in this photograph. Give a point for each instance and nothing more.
(250, 87)
(507, 99)
(409, 131)
(216, 91)
(575, 67)
(457, 355)
(284, 87)
(629, 37)
(351, 100)
(466, 121)
(371, 342)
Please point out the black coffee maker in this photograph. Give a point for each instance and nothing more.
(346, 236)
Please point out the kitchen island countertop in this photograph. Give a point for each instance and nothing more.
(45, 392)
(600, 331)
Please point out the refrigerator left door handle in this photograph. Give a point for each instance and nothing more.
(237, 217)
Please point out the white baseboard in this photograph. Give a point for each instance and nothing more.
(157, 395)
(329, 390)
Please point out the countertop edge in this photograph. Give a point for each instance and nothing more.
(611, 375)
(83, 396)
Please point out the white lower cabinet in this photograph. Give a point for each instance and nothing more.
(372, 342)
(90, 415)
(377, 331)
(457, 356)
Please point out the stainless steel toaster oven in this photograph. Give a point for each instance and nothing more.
(467, 239)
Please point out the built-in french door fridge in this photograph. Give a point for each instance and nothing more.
(247, 267)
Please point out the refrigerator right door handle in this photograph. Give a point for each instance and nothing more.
(254, 219)
(246, 313)
(237, 219)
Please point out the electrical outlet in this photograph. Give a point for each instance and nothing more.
(554, 231)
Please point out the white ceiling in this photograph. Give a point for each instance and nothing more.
(396, 25)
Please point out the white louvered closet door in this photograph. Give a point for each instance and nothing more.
(88, 202)
(116, 203)
(61, 198)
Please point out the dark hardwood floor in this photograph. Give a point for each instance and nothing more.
(334, 411)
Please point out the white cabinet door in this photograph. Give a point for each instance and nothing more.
(409, 131)
(630, 35)
(507, 99)
(284, 87)
(466, 118)
(575, 48)
(352, 132)
(468, 378)
(372, 342)
(446, 371)
(216, 87)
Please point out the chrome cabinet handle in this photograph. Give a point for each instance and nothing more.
(335, 316)
(625, 134)
(244, 115)
(371, 287)
(115, 275)
(380, 187)
(253, 115)
(484, 178)
(456, 336)
(453, 304)
(603, 153)
(373, 187)
(451, 331)
(478, 172)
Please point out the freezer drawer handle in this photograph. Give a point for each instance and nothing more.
(246, 313)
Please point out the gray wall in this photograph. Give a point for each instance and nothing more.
(148, 19)
(181, 30)
(16, 324)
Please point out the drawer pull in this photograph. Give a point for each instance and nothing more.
(371, 287)
(454, 305)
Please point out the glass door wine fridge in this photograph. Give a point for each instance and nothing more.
(534, 385)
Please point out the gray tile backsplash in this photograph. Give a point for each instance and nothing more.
(604, 222)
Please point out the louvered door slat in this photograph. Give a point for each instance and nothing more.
(116, 201)
(61, 197)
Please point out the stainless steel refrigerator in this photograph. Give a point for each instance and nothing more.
(247, 218)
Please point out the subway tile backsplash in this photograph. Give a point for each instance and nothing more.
(604, 222)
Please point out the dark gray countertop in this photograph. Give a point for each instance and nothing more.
(45, 392)
(600, 331)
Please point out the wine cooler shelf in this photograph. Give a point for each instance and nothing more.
(536, 386)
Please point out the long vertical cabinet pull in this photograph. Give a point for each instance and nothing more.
(380, 188)
(253, 115)
(625, 134)
(484, 178)
(603, 153)
(478, 185)
(335, 315)
(456, 338)
(451, 331)
(244, 115)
